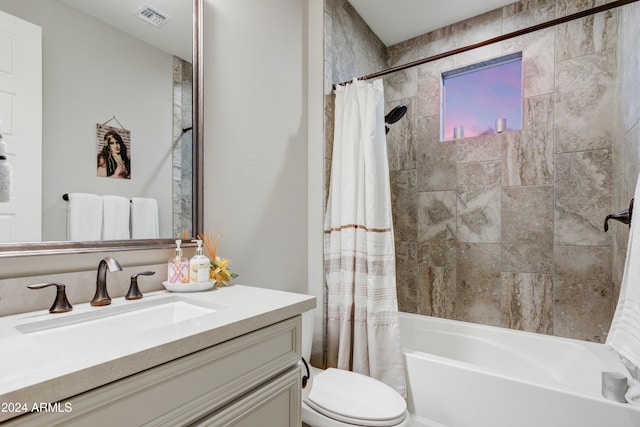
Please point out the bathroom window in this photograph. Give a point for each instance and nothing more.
(482, 98)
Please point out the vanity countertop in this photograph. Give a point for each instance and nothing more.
(34, 372)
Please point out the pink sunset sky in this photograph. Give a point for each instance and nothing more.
(476, 99)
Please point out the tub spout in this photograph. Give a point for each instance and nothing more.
(102, 296)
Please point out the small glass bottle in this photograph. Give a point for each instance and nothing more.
(178, 266)
(5, 172)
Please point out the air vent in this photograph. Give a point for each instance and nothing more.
(152, 16)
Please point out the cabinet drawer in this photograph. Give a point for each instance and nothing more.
(184, 389)
(275, 404)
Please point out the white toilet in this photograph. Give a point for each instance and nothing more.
(339, 398)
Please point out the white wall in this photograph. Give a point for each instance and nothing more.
(315, 172)
(256, 138)
(90, 73)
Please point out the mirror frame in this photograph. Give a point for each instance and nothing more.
(8, 250)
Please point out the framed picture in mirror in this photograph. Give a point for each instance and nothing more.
(114, 152)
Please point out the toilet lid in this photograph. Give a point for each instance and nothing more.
(355, 398)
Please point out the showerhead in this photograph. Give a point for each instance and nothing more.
(394, 115)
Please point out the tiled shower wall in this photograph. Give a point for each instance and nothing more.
(182, 155)
(626, 158)
(503, 229)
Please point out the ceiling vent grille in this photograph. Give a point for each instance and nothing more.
(152, 16)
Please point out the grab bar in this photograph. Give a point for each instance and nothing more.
(624, 216)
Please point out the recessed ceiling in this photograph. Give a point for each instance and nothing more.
(399, 20)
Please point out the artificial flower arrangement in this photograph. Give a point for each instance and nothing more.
(219, 271)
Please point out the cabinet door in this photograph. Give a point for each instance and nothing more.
(275, 404)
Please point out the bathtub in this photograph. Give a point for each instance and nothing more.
(467, 375)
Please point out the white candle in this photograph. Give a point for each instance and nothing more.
(458, 132)
(501, 125)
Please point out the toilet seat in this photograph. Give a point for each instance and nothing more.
(354, 398)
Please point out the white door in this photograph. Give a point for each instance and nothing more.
(21, 115)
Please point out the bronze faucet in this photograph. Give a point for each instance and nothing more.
(102, 296)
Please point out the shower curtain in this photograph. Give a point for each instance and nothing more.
(363, 333)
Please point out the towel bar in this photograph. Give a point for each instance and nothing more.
(624, 216)
(65, 197)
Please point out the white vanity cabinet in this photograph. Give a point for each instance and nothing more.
(250, 380)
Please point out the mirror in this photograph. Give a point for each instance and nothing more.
(106, 66)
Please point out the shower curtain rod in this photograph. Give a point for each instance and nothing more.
(503, 37)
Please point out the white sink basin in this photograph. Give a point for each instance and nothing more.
(102, 324)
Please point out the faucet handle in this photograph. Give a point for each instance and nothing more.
(61, 303)
(134, 291)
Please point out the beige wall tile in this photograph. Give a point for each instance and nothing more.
(527, 229)
(582, 292)
(584, 100)
(402, 136)
(437, 291)
(582, 197)
(478, 289)
(478, 206)
(407, 275)
(436, 159)
(404, 205)
(527, 302)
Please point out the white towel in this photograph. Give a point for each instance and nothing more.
(144, 218)
(115, 213)
(84, 217)
(624, 335)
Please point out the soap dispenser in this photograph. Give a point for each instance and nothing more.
(199, 265)
(178, 266)
(5, 172)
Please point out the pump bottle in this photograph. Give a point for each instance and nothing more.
(199, 265)
(178, 267)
